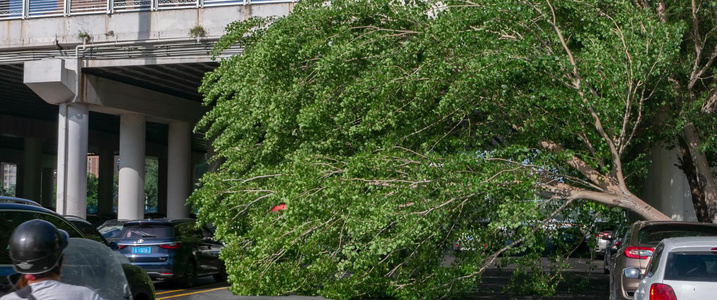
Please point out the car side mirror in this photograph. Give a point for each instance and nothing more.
(114, 246)
(632, 273)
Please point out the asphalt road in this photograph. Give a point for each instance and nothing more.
(206, 288)
(492, 286)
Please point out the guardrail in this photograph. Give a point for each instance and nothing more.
(24, 9)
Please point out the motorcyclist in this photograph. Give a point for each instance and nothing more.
(36, 251)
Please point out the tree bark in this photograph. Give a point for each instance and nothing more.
(688, 167)
(702, 169)
(626, 201)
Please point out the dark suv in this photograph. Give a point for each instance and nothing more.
(14, 211)
(172, 249)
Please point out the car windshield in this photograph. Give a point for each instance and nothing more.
(693, 266)
(111, 231)
(139, 231)
(655, 234)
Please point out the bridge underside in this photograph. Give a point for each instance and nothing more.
(29, 130)
(109, 78)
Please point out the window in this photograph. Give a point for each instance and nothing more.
(189, 230)
(655, 234)
(691, 266)
(140, 231)
(655, 261)
(90, 232)
(11, 219)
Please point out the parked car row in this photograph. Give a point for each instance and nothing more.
(648, 260)
(150, 249)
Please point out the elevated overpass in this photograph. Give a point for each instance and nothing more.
(109, 77)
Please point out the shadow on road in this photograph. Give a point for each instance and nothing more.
(584, 282)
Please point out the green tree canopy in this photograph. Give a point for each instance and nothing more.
(391, 129)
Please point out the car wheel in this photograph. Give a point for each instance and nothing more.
(189, 276)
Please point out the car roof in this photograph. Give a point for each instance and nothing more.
(23, 204)
(645, 224)
(8, 199)
(162, 221)
(650, 223)
(72, 218)
(114, 222)
(694, 243)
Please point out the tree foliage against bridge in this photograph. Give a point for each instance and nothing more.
(392, 129)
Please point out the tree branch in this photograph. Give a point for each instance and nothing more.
(578, 164)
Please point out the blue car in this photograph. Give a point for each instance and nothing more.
(172, 249)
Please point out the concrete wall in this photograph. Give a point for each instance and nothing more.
(129, 26)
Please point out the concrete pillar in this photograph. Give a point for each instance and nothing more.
(105, 192)
(162, 185)
(130, 202)
(48, 187)
(72, 159)
(667, 188)
(179, 160)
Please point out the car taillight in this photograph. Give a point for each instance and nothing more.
(122, 246)
(659, 291)
(170, 246)
(639, 252)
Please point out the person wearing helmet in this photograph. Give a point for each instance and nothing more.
(36, 251)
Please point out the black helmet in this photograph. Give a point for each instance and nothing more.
(36, 247)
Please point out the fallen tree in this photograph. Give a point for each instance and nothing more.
(392, 129)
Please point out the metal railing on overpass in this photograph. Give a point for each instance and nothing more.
(23, 9)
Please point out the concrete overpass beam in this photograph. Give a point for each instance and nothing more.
(72, 159)
(179, 156)
(130, 202)
(51, 80)
(113, 97)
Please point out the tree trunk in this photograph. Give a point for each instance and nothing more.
(646, 211)
(624, 200)
(703, 172)
(688, 167)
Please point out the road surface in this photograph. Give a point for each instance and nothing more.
(492, 287)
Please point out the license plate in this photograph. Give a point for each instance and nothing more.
(141, 250)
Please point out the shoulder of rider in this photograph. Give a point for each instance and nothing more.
(51, 289)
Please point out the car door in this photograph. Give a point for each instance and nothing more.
(192, 237)
(212, 249)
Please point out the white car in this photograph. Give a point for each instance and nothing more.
(682, 268)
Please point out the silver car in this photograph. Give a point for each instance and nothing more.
(682, 268)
